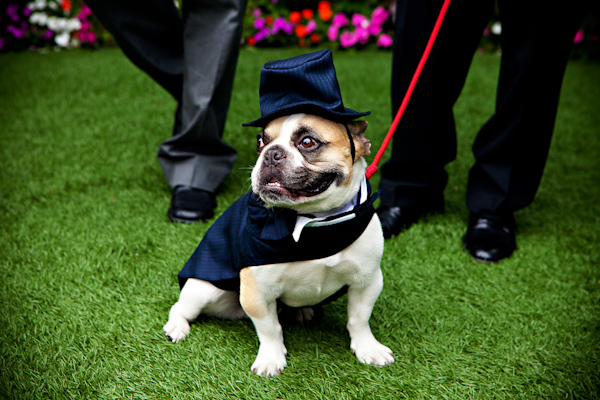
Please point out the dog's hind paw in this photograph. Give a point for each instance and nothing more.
(373, 353)
(304, 315)
(176, 329)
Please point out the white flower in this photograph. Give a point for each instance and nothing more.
(54, 23)
(496, 28)
(38, 18)
(37, 5)
(57, 24)
(63, 39)
(73, 24)
(53, 5)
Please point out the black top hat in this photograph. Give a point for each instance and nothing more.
(306, 84)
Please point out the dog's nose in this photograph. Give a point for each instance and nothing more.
(273, 156)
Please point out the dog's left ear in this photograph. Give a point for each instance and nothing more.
(361, 143)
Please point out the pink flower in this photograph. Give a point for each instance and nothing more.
(47, 35)
(1, 43)
(384, 40)
(92, 37)
(332, 33)
(280, 24)
(260, 23)
(339, 20)
(360, 20)
(256, 13)
(379, 16)
(84, 13)
(16, 32)
(261, 34)
(12, 12)
(311, 26)
(374, 29)
(88, 37)
(362, 35)
(487, 32)
(578, 37)
(348, 39)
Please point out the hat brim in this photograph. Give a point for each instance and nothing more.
(307, 108)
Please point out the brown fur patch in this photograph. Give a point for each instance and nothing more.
(335, 133)
(274, 127)
(251, 298)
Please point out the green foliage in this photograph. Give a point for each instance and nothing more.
(88, 258)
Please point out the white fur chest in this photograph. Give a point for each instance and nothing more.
(306, 283)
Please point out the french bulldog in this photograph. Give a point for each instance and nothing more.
(314, 169)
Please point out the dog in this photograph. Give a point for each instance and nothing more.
(309, 222)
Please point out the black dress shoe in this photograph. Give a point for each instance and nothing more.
(395, 219)
(189, 205)
(490, 240)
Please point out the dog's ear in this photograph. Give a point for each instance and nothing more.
(361, 143)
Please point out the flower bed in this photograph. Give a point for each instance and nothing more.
(270, 24)
(344, 24)
(44, 24)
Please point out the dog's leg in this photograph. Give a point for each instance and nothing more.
(270, 360)
(362, 342)
(198, 297)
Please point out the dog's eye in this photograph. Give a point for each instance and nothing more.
(259, 141)
(308, 143)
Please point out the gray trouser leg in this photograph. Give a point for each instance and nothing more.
(196, 155)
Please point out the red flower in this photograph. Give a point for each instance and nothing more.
(324, 9)
(308, 14)
(324, 5)
(251, 41)
(66, 5)
(325, 15)
(301, 42)
(269, 20)
(315, 38)
(300, 31)
(295, 16)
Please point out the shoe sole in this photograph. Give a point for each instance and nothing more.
(174, 218)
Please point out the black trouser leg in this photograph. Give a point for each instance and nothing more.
(512, 147)
(425, 140)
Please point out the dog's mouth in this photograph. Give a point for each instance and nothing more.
(275, 187)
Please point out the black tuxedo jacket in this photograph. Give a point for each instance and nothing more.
(249, 234)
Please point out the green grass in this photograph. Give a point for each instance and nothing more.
(88, 259)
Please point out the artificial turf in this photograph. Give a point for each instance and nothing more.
(88, 258)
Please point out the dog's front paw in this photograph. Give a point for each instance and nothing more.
(270, 360)
(176, 329)
(370, 351)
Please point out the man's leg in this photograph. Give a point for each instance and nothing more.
(512, 147)
(413, 180)
(196, 160)
(150, 35)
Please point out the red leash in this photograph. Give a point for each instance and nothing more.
(373, 167)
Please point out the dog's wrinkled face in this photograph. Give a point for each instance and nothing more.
(305, 162)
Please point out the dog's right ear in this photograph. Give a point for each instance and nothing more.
(357, 130)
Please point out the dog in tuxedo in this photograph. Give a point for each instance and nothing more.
(306, 233)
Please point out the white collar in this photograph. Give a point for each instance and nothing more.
(303, 221)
